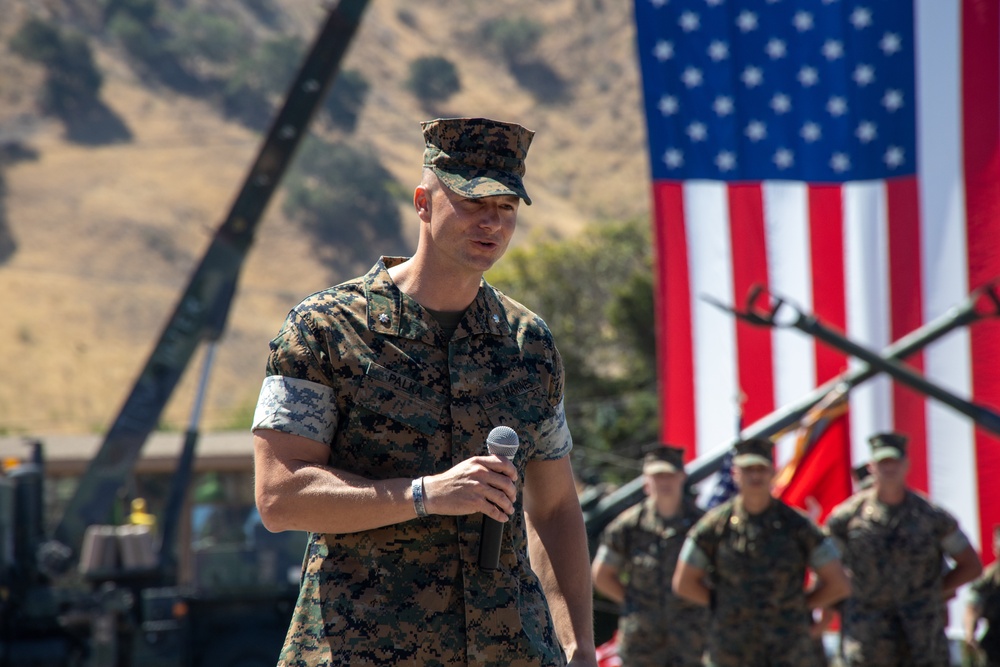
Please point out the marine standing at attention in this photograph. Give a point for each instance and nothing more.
(635, 563)
(894, 543)
(747, 560)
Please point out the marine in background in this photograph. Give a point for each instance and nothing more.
(635, 564)
(895, 543)
(984, 605)
(748, 559)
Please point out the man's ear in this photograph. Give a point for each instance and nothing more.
(422, 203)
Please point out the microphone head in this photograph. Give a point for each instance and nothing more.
(502, 441)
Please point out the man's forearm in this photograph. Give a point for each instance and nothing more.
(559, 556)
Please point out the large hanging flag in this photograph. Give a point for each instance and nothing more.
(845, 155)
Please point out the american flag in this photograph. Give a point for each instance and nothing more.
(844, 154)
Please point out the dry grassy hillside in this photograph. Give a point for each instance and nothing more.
(106, 236)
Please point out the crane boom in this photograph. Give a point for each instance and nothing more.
(201, 313)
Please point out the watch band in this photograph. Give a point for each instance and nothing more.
(417, 486)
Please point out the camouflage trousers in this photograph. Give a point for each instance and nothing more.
(670, 643)
(884, 639)
(774, 648)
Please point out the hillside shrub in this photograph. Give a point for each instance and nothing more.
(142, 11)
(515, 38)
(137, 38)
(341, 194)
(198, 34)
(72, 79)
(346, 99)
(433, 79)
(276, 63)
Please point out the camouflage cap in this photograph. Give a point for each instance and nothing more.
(477, 157)
(665, 458)
(754, 452)
(890, 445)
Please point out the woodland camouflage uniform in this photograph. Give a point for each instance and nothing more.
(895, 615)
(985, 596)
(656, 628)
(408, 402)
(757, 566)
(363, 367)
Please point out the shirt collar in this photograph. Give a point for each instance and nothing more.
(394, 313)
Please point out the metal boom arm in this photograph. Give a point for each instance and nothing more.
(203, 308)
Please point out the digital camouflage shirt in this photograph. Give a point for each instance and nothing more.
(895, 556)
(655, 626)
(757, 566)
(364, 368)
(984, 595)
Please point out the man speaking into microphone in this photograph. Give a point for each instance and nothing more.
(371, 433)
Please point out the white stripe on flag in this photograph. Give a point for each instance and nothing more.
(867, 249)
(786, 223)
(951, 456)
(707, 217)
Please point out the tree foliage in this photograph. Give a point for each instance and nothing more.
(72, 79)
(342, 195)
(595, 293)
(433, 79)
(199, 34)
(347, 98)
(514, 37)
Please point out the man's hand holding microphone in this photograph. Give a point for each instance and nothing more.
(486, 484)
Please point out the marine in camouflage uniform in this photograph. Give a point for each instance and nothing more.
(394, 391)
(639, 551)
(894, 547)
(984, 604)
(748, 559)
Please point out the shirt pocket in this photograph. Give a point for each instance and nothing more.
(520, 404)
(396, 426)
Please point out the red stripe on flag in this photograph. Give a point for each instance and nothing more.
(906, 314)
(981, 144)
(673, 318)
(826, 234)
(755, 358)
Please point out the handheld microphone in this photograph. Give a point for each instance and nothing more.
(502, 441)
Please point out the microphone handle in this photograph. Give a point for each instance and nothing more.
(489, 543)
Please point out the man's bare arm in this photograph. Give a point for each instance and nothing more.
(689, 583)
(557, 547)
(968, 566)
(832, 586)
(295, 489)
(607, 582)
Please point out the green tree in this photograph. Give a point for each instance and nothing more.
(595, 293)
(515, 37)
(276, 63)
(72, 79)
(343, 196)
(143, 11)
(137, 37)
(433, 79)
(199, 34)
(346, 98)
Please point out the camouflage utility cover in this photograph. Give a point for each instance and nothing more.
(895, 556)
(757, 565)
(478, 157)
(363, 367)
(655, 627)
